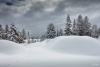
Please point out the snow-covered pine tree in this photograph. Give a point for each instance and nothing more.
(87, 26)
(6, 29)
(23, 34)
(1, 32)
(68, 26)
(60, 32)
(80, 26)
(43, 37)
(6, 32)
(99, 31)
(28, 37)
(57, 33)
(51, 33)
(95, 31)
(20, 37)
(15, 35)
(74, 29)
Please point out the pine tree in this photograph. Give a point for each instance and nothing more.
(57, 33)
(95, 31)
(99, 31)
(6, 29)
(1, 32)
(23, 34)
(60, 32)
(87, 26)
(80, 26)
(43, 37)
(6, 32)
(74, 29)
(68, 26)
(51, 33)
(28, 37)
(15, 35)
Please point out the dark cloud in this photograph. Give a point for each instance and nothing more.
(37, 14)
(11, 2)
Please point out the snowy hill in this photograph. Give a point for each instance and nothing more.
(9, 47)
(75, 45)
(62, 51)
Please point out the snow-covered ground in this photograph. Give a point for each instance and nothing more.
(64, 51)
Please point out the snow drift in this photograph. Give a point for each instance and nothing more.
(33, 55)
(8, 47)
(75, 45)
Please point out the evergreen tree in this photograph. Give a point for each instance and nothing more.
(1, 32)
(87, 26)
(6, 29)
(74, 30)
(80, 26)
(43, 37)
(6, 32)
(51, 33)
(99, 31)
(57, 33)
(68, 26)
(15, 35)
(60, 32)
(28, 37)
(95, 31)
(23, 34)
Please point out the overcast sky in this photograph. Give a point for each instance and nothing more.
(35, 15)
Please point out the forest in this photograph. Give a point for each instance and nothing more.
(77, 27)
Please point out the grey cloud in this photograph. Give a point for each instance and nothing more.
(36, 14)
(11, 2)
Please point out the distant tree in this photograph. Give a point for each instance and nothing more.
(99, 31)
(51, 33)
(68, 26)
(87, 26)
(6, 32)
(80, 26)
(74, 29)
(1, 32)
(6, 29)
(57, 33)
(43, 37)
(28, 37)
(60, 32)
(15, 35)
(37, 39)
(33, 39)
(23, 34)
(14, 30)
(95, 31)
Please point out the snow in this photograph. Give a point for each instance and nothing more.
(75, 45)
(50, 53)
(8, 47)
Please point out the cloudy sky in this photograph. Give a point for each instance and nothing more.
(35, 15)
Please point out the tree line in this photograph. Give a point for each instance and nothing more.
(78, 27)
(12, 33)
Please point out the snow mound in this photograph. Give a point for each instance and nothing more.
(8, 47)
(83, 45)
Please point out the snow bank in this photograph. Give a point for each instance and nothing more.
(35, 56)
(75, 45)
(8, 47)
